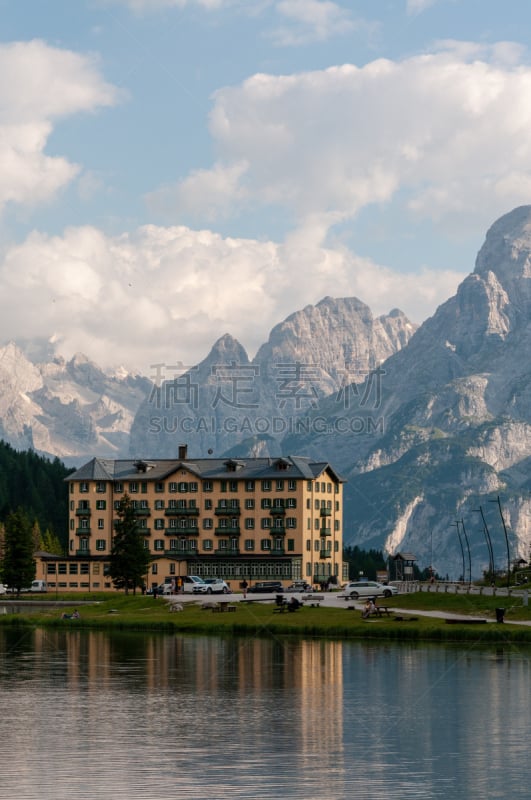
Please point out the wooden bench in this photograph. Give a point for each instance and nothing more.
(383, 611)
(314, 600)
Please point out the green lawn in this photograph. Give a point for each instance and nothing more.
(119, 612)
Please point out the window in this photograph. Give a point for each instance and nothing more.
(173, 544)
(316, 545)
(159, 524)
(309, 486)
(83, 486)
(143, 487)
(100, 544)
(233, 486)
(249, 544)
(249, 503)
(183, 486)
(265, 544)
(329, 488)
(159, 544)
(249, 486)
(291, 502)
(207, 544)
(101, 524)
(193, 486)
(118, 487)
(101, 505)
(291, 522)
(154, 569)
(323, 486)
(72, 524)
(266, 486)
(279, 486)
(207, 523)
(159, 505)
(308, 544)
(291, 545)
(207, 486)
(223, 486)
(159, 487)
(266, 502)
(172, 486)
(336, 524)
(266, 523)
(133, 487)
(317, 505)
(316, 524)
(101, 486)
(292, 485)
(208, 504)
(308, 503)
(141, 523)
(72, 569)
(249, 523)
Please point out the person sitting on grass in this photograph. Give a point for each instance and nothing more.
(294, 604)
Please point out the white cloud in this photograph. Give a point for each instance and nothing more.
(159, 295)
(312, 20)
(418, 6)
(446, 129)
(41, 84)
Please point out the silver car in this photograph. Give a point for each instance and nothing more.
(356, 589)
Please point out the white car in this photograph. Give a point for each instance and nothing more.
(189, 583)
(3, 589)
(356, 589)
(211, 586)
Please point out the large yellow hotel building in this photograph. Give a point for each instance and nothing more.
(249, 518)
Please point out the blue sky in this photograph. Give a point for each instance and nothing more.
(178, 169)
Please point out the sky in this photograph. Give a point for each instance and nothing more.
(174, 170)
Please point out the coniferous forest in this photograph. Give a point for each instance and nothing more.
(35, 485)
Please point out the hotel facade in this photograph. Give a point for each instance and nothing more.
(238, 519)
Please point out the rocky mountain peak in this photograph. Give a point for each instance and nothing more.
(506, 252)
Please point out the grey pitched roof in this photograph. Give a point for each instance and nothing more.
(103, 469)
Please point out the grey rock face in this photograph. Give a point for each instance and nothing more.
(67, 409)
(232, 403)
(453, 418)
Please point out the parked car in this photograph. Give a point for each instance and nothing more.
(273, 587)
(189, 582)
(3, 589)
(300, 586)
(356, 589)
(211, 586)
(39, 586)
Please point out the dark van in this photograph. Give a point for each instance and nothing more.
(272, 587)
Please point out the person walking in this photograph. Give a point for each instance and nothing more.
(244, 586)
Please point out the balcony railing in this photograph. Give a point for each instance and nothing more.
(227, 511)
(227, 531)
(188, 551)
(325, 512)
(188, 531)
(142, 512)
(181, 512)
(83, 531)
(277, 510)
(83, 512)
(325, 532)
(325, 554)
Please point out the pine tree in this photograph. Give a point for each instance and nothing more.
(129, 560)
(18, 567)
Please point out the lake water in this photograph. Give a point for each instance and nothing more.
(98, 715)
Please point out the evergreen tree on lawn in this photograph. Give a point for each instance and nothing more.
(129, 558)
(18, 566)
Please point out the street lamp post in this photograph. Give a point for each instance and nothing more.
(462, 523)
(489, 543)
(506, 540)
(461, 545)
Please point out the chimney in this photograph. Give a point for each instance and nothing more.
(183, 451)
